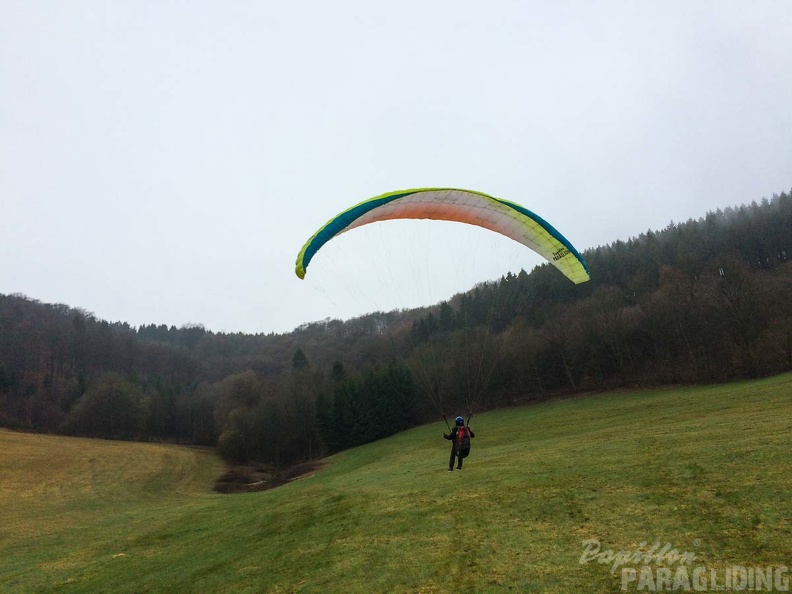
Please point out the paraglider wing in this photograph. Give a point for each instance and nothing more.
(463, 206)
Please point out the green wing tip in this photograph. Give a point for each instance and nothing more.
(300, 272)
(584, 279)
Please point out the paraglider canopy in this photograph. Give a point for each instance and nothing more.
(463, 206)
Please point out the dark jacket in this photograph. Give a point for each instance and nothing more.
(454, 432)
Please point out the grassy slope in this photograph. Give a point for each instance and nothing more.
(706, 469)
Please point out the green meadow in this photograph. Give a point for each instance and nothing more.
(706, 469)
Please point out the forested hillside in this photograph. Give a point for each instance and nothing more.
(700, 301)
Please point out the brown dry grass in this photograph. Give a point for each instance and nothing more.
(45, 476)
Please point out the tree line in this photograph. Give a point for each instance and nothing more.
(700, 301)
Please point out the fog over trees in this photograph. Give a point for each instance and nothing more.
(701, 301)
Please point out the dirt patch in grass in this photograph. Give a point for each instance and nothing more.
(242, 478)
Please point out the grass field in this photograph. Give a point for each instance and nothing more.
(708, 470)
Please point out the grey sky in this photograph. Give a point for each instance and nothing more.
(163, 162)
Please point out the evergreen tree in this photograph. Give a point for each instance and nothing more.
(299, 360)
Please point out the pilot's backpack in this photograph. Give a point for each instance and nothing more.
(463, 441)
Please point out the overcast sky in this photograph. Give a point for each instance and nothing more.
(163, 162)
